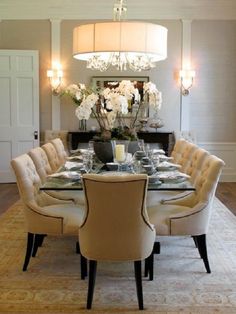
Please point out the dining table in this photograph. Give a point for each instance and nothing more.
(70, 179)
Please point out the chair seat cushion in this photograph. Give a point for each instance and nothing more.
(159, 216)
(156, 197)
(76, 196)
(72, 216)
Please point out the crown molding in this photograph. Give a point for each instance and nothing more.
(102, 9)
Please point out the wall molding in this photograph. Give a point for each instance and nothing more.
(227, 152)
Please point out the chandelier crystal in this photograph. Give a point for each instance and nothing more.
(137, 45)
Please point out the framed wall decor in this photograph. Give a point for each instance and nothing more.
(100, 82)
(113, 81)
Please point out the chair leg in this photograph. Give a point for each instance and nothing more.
(195, 240)
(30, 243)
(77, 249)
(38, 241)
(138, 279)
(83, 266)
(148, 269)
(202, 248)
(149, 261)
(91, 283)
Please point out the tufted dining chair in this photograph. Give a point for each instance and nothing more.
(43, 168)
(44, 215)
(52, 155)
(193, 169)
(178, 150)
(183, 155)
(186, 157)
(190, 215)
(60, 148)
(50, 135)
(116, 226)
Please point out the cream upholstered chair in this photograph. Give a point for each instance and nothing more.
(186, 156)
(193, 169)
(50, 135)
(61, 152)
(182, 154)
(44, 169)
(52, 155)
(116, 226)
(44, 214)
(190, 215)
(178, 150)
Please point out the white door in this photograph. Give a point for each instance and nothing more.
(19, 107)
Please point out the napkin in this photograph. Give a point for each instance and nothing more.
(158, 151)
(65, 175)
(166, 165)
(173, 176)
(74, 158)
(73, 164)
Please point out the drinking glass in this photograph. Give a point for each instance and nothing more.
(91, 147)
(141, 144)
(87, 162)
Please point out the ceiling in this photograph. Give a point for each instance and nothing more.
(102, 9)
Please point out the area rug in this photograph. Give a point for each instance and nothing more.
(52, 283)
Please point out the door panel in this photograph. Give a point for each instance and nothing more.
(19, 106)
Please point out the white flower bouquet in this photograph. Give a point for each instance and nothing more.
(110, 105)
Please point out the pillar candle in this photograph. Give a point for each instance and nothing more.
(120, 152)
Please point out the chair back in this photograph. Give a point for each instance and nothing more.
(116, 226)
(27, 178)
(208, 178)
(196, 161)
(59, 146)
(52, 155)
(178, 150)
(49, 135)
(186, 156)
(41, 162)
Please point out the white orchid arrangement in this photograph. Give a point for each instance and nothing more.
(154, 95)
(110, 104)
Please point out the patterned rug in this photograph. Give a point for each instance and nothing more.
(52, 283)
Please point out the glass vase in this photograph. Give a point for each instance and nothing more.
(82, 125)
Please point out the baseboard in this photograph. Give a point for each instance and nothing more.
(227, 152)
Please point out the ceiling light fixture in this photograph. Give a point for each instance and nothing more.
(122, 44)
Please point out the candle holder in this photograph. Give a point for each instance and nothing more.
(120, 152)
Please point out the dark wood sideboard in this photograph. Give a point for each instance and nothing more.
(166, 139)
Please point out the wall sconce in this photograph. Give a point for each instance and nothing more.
(55, 77)
(186, 79)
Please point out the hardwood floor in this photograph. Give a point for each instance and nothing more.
(226, 192)
(8, 196)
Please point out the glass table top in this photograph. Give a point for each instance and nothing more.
(71, 180)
